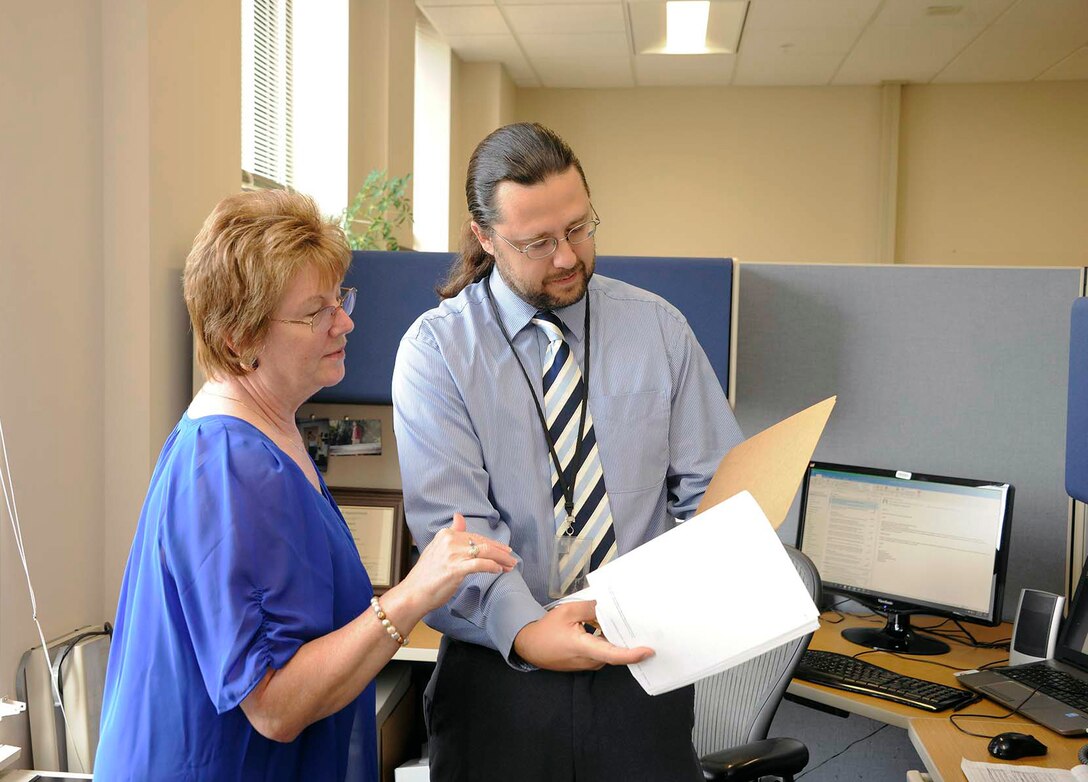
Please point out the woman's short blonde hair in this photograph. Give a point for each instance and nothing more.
(250, 247)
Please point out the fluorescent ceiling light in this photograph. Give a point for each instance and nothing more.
(719, 30)
(686, 26)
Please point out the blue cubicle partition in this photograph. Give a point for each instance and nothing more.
(397, 287)
(1076, 431)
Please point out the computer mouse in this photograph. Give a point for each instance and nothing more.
(1012, 746)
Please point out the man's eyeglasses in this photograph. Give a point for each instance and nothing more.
(322, 319)
(545, 248)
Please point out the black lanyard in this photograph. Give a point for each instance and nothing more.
(579, 457)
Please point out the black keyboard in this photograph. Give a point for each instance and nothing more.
(1057, 684)
(848, 673)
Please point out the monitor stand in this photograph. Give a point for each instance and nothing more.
(895, 636)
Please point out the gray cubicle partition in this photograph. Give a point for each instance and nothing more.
(949, 371)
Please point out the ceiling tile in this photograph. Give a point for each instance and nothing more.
(975, 14)
(593, 73)
(787, 42)
(799, 14)
(811, 40)
(485, 48)
(1073, 67)
(558, 2)
(467, 20)
(562, 19)
(909, 54)
(671, 70)
(1023, 43)
(586, 45)
(795, 70)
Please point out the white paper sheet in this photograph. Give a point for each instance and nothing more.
(708, 595)
(1000, 772)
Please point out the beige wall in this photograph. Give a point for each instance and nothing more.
(994, 174)
(759, 174)
(987, 173)
(125, 135)
(172, 81)
(483, 98)
(51, 305)
(381, 89)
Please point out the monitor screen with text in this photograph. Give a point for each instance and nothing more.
(922, 542)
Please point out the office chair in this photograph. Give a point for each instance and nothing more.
(734, 708)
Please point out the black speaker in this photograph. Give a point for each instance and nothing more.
(1035, 631)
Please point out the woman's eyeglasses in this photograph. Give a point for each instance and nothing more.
(322, 319)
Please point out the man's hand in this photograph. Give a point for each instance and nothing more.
(559, 641)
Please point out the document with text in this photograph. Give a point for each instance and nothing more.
(1001, 772)
(718, 589)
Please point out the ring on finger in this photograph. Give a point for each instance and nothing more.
(473, 549)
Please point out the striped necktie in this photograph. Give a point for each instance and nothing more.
(563, 398)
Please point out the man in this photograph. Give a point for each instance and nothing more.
(488, 395)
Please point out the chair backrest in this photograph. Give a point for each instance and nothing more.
(737, 705)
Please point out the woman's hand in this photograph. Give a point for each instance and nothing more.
(452, 555)
(559, 642)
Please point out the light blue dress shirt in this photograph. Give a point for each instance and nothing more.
(470, 440)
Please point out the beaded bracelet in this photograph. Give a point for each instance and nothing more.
(389, 628)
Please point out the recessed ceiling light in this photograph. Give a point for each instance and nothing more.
(716, 30)
(686, 26)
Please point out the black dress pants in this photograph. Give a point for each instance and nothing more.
(488, 721)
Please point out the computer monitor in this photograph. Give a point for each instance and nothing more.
(904, 543)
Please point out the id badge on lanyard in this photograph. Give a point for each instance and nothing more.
(569, 569)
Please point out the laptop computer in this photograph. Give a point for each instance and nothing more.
(1061, 701)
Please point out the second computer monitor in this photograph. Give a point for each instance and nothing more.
(906, 543)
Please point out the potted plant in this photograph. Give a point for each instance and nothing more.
(376, 211)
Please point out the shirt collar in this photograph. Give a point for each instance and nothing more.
(516, 312)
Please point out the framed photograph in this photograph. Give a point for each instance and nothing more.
(376, 520)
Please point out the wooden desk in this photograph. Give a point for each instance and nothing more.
(940, 745)
(829, 638)
(422, 645)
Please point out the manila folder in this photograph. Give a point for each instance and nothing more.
(771, 464)
(708, 595)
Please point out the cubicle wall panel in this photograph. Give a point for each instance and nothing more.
(701, 288)
(948, 371)
(395, 288)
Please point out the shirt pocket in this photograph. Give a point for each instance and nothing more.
(633, 440)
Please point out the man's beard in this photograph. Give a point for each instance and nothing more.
(541, 299)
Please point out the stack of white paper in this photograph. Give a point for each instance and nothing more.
(708, 595)
(1001, 772)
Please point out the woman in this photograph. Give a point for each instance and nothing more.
(247, 640)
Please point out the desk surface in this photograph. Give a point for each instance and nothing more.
(940, 745)
(422, 645)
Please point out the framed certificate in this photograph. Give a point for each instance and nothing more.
(375, 518)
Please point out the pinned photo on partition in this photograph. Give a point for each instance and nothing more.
(355, 437)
